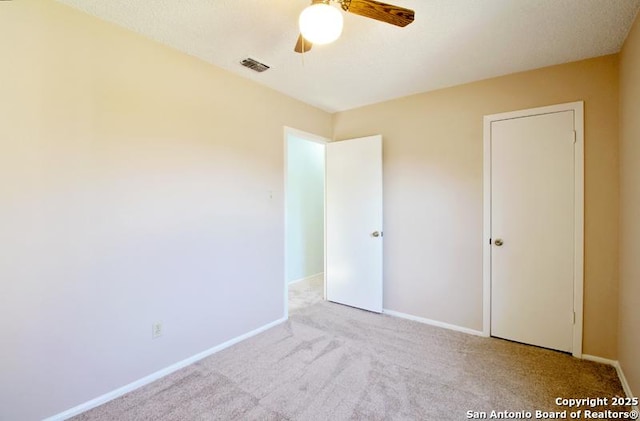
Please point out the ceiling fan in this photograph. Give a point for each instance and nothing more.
(321, 23)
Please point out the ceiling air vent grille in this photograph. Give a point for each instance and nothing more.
(254, 65)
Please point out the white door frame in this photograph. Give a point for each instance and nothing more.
(290, 131)
(578, 272)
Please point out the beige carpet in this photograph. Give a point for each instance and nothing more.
(306, 293)
(331, 362)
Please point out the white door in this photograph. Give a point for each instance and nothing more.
(353, 215)
(532, 229)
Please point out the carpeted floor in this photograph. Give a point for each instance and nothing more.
(332, 362)
(306, 293)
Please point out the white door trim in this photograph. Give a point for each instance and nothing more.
(290, 131)
(578, 273)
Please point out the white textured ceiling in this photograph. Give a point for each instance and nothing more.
(451, 41)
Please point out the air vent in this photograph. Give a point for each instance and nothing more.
(254, 65)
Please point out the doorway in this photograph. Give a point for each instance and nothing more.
(533, 223)
(333, 221)
(304, 219)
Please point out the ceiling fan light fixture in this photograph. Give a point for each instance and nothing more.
(321, 23)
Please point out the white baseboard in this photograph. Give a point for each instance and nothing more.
(433, 322)
(306, 278)
(157, 375)
(600, 360)
(615, 364)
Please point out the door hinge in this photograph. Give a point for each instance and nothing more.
(575, 137)
(489, 241)
(574, 318)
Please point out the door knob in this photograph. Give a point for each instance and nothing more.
(376, 234)
(498, 242)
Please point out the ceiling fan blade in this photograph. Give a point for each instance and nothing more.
(302, 46)
(384, 12)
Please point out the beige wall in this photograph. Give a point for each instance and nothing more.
(135, 188)
(629, 339)
(433, 190)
